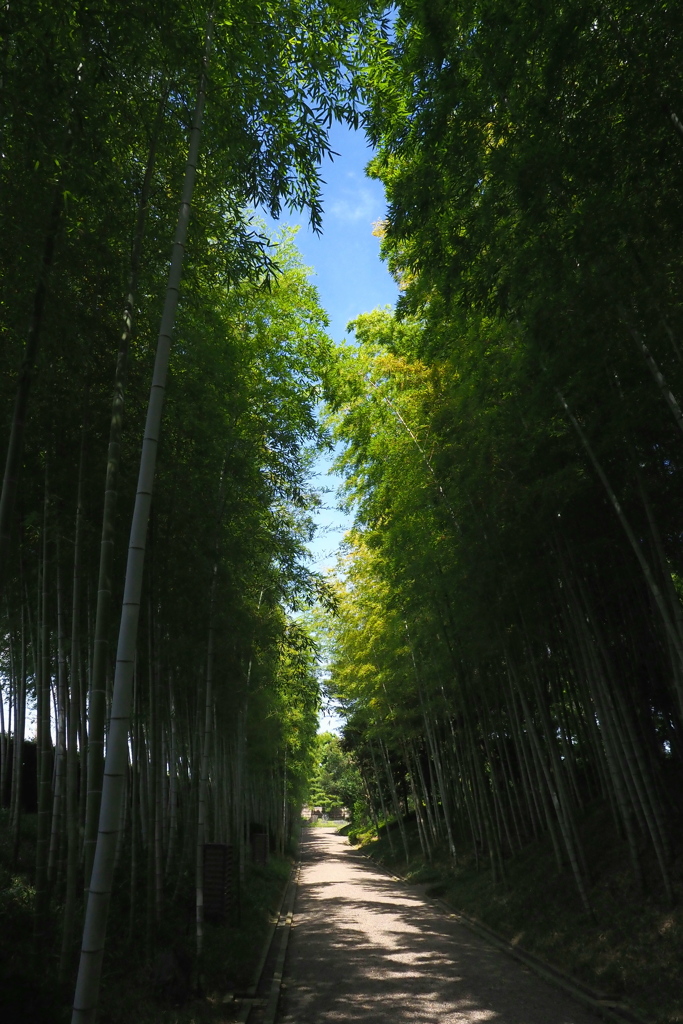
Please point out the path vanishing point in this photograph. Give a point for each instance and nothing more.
(367, 948)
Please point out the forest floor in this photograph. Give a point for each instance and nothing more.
(632, 950)
(148, 975)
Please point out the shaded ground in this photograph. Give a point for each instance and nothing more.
(365, 948)
(630, 950)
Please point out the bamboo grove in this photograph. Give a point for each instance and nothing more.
(113, 115)
(509, 649)
(508, 637)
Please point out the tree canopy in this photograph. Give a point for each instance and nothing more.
(112, 116)
(506, 619)
(508, 649)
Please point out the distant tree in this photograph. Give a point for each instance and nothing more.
(336, 780)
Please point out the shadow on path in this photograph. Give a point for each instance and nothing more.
(365, 948)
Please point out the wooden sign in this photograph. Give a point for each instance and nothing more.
(217, 881)
(259, 848)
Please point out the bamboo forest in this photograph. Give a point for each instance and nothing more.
(502, 632)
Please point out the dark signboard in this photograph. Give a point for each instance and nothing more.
(259, 848)
(217, 881)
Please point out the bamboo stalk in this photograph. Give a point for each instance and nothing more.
(99, 893)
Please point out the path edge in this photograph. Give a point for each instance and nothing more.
(276, 984)
(248, 1003)
(609, 1009)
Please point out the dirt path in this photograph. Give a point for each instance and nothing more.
(365, 948)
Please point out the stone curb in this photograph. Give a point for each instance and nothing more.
(276, 984)
(250, 1000)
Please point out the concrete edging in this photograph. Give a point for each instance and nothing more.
(248, 1003)
(276, 984)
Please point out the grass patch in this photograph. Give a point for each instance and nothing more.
(632, 949)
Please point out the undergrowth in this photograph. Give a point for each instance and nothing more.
(149, 973)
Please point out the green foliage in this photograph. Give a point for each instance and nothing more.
(509, 646)
(132, 986)
(88, 96)
(335, 781)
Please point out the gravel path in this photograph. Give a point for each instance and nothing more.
(366, 948)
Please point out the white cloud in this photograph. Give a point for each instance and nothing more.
(354, 205)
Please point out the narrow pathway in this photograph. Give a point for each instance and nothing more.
(365, 948)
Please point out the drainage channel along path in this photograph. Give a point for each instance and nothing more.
(365, 948)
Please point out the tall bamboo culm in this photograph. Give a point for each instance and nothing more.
(99, 892)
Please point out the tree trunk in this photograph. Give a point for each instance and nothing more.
(172, 782)
(97, 709)
(99, 893)
(655, 590)
(26, 375)
(204, 781)
(72, 856)
(419, 819)
(664, 389)
(44, 745)
(565, 825)
(5, 727)
(381, 798)
(60, 729)
(18, 761)
(135, 787)
(394, 798)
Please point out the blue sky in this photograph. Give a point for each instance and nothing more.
(351, 279)
(345, 259)
(349, 276)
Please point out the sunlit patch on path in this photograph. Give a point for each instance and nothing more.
(365, 948)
